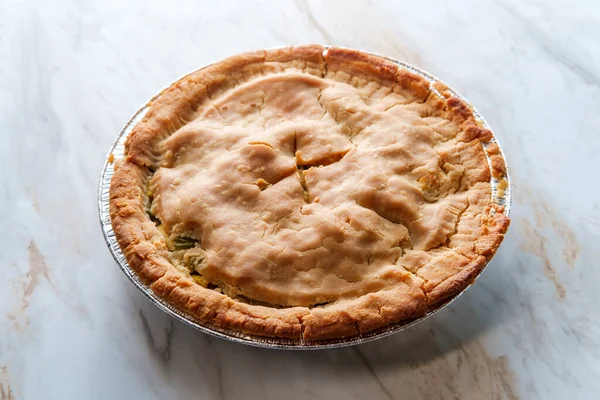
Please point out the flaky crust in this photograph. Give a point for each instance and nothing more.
(430, 269)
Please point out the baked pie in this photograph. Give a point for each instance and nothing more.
(307, 192)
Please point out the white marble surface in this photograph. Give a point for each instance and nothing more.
(73, 327)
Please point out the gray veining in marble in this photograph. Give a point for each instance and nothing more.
(73, 327)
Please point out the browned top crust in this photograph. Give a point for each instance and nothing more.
(306, 192)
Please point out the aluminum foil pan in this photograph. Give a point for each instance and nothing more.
(500, 195)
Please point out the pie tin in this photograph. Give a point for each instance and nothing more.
(500, 197)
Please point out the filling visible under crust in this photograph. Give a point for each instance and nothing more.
(294, 190)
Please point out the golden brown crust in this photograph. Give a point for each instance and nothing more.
(435, 269)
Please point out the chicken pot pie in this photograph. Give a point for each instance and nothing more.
(308, 193)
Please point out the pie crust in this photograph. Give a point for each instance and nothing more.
(307, 192)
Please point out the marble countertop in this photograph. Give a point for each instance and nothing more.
(73, 327)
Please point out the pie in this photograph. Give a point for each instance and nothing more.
(307, 192)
